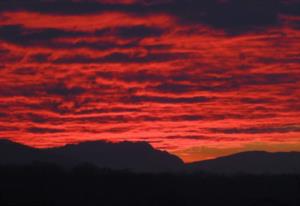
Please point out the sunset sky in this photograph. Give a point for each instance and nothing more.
(198, 78)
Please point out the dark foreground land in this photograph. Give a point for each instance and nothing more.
(42, 184)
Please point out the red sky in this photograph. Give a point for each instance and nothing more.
(200, 79)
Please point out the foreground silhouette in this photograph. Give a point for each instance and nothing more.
(256, 162)
(135, 156)
(50, 185)
(142, 157)
(136, 174)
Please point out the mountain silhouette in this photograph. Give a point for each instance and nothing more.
(17, 154)
(256, 162)
(14, 153)
(142, 157)
(133, 156)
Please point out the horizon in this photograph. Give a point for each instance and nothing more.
(136, 142)
(199, 79)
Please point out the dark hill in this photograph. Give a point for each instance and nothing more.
(142, 157)
(14, 153)
(256, 162)
(135, 156)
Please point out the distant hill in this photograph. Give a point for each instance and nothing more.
(13, 153)
(142, 157)
(256, 162)
(135, 156)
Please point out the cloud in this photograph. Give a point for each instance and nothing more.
(258, 130)
(217, 73)
(6, 128)
(56, 7)
(42, 130)
(19, 35)
(119, 57)
(257, 100)
(139, 31)
(174, 88)
(233, 16)
(166, 100)
(55, 38)
(25, 71)
(109, 110)
(61, 89)
(291, 7)
(4, 51)
(51, 89)
(188, 137)
(40, 57)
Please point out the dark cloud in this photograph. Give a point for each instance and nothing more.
(60, 89)
(8, 57)
(8, 128)
(237, 82)
(47, 37)
(186, 83)
(258, 130)
(117, 130)
(105, 119)
(19, 35)
(100, 45)
(108, 110)
(25, 71)
(52, 89)
(3, 114)
(188, 137)
(119, 57)
(256, 100)
(268, 79)
(97, 45)
(63, 7)
(37, 118)
(166, 100)
(174, 88)
(230, 15)
(188, 117)
(39, 58)
(4, 51)
(141, 76)
(270, 60)
(140, 31)
(10, 91)
(291, 7)
(44, 130)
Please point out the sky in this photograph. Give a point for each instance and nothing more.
(197, 78)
